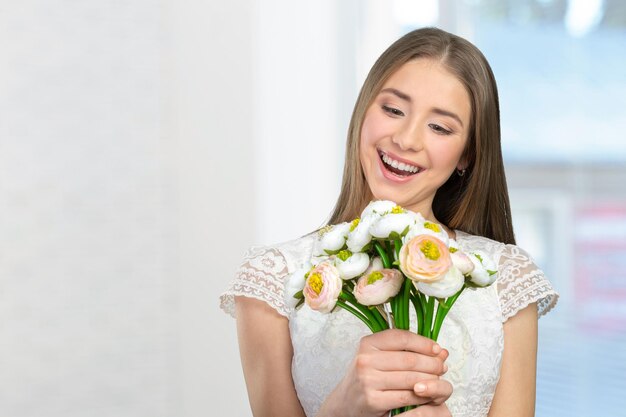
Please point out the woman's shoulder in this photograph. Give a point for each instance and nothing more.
(470, 243)
(291, 254)
(263, 271)
(520, 280)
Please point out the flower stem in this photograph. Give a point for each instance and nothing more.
(404, 307)
(428, 321)
(383, 255)
(373, 327)
(347, 297)
(442, 311)
(398, 245)
(418, 312)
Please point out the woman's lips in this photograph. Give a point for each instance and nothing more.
(396, 174)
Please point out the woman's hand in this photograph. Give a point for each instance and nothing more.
(392, 369)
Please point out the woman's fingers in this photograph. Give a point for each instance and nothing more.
(402, 361)
(394, 339)
(435, 390)
(391, 399)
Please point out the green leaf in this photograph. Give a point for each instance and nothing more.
(492, 272)
(299, 295)
(332, 252)
(394, 235)
(405, 231)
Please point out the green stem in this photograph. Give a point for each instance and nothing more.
(418, 312)
(382, 321)
(405, 303)
(428, 322)
(442, 312)
(383, 255)
(390, 252)
(373, 328)
(364, 310)
(398, 245)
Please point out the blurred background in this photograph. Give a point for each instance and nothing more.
(145, 144)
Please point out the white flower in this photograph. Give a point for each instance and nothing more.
(360, 236)
(294, 284)
(392, 222)
(351, 265)
(484, 272)
(335, 238)
(378, 207)
(375, 265)
(462, 261)
(446, 287)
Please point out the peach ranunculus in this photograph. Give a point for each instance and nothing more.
(378, 286)
(425, 258)
(322, 287)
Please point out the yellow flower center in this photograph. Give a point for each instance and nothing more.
(397, 210)
(452, 250)
(374, 276)
(432, 226)
(325, 230)
(430, 250)
(354, 224)
(344, 254)
(316, 283)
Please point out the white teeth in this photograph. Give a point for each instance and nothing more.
(399, 165)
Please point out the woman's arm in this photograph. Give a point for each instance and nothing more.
(266, 353)
(383, 375)
(515, 392)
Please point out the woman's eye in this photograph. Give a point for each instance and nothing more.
(438, 129)
(392, 111)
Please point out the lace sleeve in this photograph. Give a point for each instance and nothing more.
(261, 276)
(521, 283)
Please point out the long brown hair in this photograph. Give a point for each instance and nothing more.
(477, 202)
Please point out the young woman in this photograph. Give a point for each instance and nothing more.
(425, 133)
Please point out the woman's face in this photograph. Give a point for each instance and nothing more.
(414, 134)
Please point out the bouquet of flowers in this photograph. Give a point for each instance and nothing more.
(382, 263)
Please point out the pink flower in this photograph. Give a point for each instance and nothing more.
(378, 286)
(322, 287)
(425, 258)
(462, 261)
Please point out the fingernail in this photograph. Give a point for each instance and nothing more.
(445, 368)
(419, 387)
(436, 349)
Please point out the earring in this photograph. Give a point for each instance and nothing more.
(460, 172)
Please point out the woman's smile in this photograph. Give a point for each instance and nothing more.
(397, 169)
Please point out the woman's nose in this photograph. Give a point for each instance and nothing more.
(408, 138)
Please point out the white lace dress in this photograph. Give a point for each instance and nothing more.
(324, 344)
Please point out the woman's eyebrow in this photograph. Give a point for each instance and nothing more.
(443, 112)
(397, 93)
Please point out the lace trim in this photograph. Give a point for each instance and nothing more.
(521, 282)
(260, 276)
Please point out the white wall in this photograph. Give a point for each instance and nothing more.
(143, 147)
(88, 288)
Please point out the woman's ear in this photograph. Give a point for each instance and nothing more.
(462, 165)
